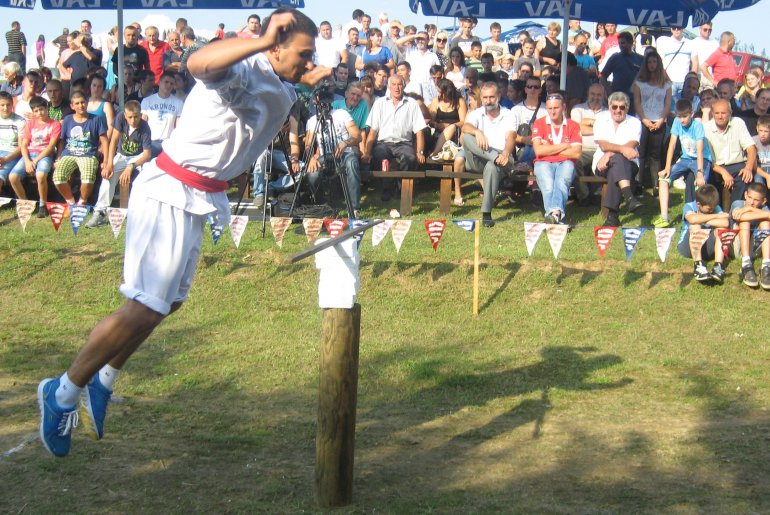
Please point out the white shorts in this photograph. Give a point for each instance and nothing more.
(163, 245)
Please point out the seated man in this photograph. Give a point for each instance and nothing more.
(558, 145)
(585, 115)
(11, 128)
(617, 137)
(336, 147)
(130, 147)
(734, 151)
(394, 121)
(751, 214)
(489, 136)
(83, 134)
(162, 111)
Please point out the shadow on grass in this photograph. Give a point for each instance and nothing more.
(513, 269)
(586, 276)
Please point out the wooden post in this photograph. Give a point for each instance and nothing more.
(476, 252)
(337, 393)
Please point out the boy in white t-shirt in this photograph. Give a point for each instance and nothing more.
(38, 149)
(162, 112)
(762, 140)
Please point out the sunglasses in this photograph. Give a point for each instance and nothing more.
(618, 108)
(532, 86)
(441, 40)
(554, 97)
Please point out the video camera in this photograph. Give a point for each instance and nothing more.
(323, 96)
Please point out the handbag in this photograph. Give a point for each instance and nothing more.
(525, 129)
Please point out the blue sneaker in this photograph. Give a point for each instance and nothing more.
(93, 406)
(56, 423)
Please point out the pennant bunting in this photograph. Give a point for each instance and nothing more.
(215, 228)
(116, 216)
(631, 236)
(57, 212)
(726, 238)
(435, 230)
(5, 200)
(400, 228)
(556, 234)
(663, 239)
(465, 225)
(603, 236)
(312, 228)
(77, 215)
(532, 232)
(238, 225)
(759, 236)
(355, 224)
(24, 210)
(379, 232)
(279, 224)
(698, 237)
(335, 226)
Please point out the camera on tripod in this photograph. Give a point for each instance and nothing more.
(323, 96)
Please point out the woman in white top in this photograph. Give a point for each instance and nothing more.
(526, 113)
(652, 101)
(455, 68)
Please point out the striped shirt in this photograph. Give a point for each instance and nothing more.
(15, 40)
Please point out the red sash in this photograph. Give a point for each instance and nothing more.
(192, 179)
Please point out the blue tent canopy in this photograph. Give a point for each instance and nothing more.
(155, 4)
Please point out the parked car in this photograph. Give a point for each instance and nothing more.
(744, 62)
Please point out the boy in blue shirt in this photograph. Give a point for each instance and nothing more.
(694, 164)
(751, 214)
(82, 135)
(706, 212)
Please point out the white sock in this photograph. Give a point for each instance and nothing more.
(108, 375)
(68, 393)
(765, 262)
(746, 261)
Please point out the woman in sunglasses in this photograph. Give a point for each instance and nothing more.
(440, 47)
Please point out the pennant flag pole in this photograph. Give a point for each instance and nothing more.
(476, 259)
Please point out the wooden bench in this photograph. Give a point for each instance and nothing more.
(407, 186)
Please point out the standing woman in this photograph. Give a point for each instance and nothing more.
(440, 47)
(599, 36)
(40, 50)
(111, 42)
(548, 49)
(97, 105)
(374, 51)
(652, 101)
(455, 68)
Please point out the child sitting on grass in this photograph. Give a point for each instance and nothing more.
(706, 212)
(751, 214)
(694, 164)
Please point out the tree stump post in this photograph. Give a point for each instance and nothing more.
(337, 393)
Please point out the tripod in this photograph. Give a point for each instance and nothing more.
(326, 141)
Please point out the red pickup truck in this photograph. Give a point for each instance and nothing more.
(744, 62)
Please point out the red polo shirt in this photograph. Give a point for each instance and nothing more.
(544, 130)
(156, 57)
(722, 65)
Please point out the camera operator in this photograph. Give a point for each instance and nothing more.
(337, 137)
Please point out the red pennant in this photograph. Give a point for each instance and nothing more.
(435, 230)
(335, 226)
(726, 237)
(57, 212)
(603, 236)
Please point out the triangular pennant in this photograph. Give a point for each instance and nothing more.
(24, 210)
(631, 236)
(379, 232)
(532, 232)
(77, 215)
(279, 225)
(759, 236)
(238, 225)
(335, 226)
(398, 232)
(556, 234)
(116, 216)
(698, 237)
(465, 225)
(726, 237)
(57, 212)
(312, 228)
(435, 230)
(663, 239)
(355, 224)
(603, 236)
(5, 200)
(215, 227)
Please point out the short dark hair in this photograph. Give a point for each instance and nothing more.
(626, 36)
(302, 25)
(707, 196)
(683, 107)
(254, 17)
(4, 95)
(758, 187)
(405, 64)
(764, 121)
(436, 68)
(476, 44)
(36, 102)
(77, 94)
(134, 106)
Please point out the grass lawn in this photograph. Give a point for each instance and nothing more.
(583, 386)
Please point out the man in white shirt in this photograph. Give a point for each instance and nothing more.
(354, 23)
(241, 101)
(162, 111)
(393, 122)
(421, 59)
(329, 51)
(617, 137)
(585, 115)
(705, 46)
(489, 138)
(679, 58)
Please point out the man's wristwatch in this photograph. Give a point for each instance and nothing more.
(699, 170)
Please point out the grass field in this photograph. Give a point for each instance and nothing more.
(583, 386)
